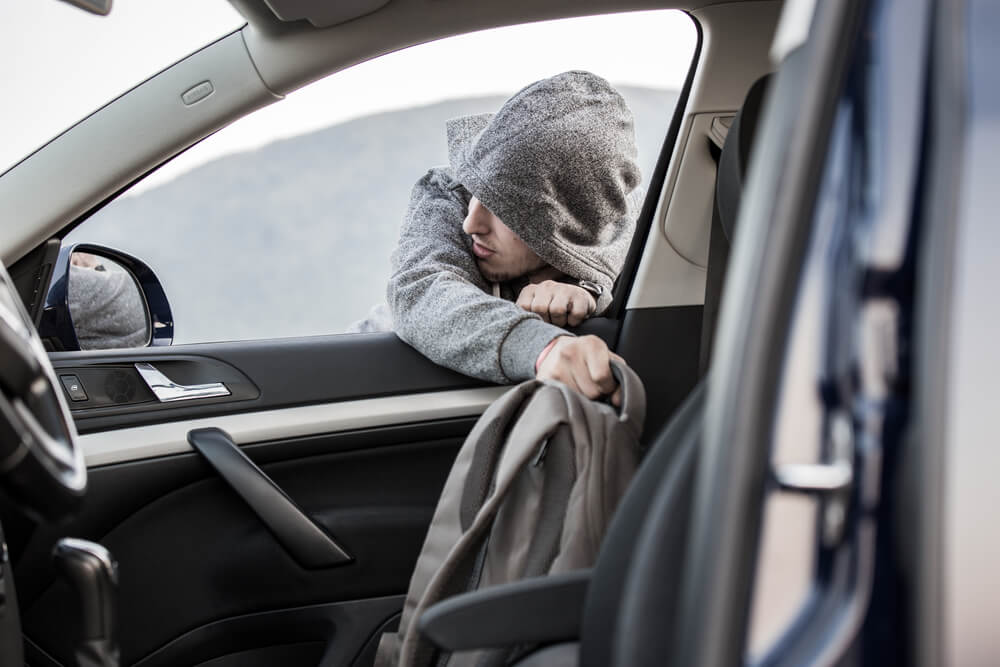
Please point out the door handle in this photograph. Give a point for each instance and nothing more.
(166, 390)
(304, 539)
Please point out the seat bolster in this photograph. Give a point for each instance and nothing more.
(540, 609)
(559, 655)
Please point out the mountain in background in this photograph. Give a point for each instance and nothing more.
(294, 238)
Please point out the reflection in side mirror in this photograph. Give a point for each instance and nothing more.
(105, 303)
(101, 298)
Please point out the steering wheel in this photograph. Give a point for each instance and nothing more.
(41, 463)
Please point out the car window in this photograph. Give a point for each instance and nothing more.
(282, 224)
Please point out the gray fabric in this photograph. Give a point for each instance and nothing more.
(557, 165)
(595, 453)
(378, 319)
(543, 491)
(107, 309)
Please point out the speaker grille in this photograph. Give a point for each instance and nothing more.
(120, 386)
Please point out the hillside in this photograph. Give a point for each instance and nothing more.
(294, 238)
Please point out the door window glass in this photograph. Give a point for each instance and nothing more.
(282, 224)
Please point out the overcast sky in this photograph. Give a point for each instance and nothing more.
(60, 63)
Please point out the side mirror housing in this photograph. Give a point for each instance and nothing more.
(102, 298)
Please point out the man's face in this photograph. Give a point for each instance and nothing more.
(500, 254)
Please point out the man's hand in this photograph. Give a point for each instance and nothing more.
(583, 364)
(557, 303)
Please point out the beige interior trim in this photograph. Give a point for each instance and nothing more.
(120, 141)
(736, 38)
(143, 442)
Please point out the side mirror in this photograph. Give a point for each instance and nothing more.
(101, 298)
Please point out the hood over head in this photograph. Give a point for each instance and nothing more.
(556, 164)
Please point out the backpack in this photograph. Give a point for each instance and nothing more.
(531, 492)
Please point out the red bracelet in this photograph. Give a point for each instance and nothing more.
(544, 353)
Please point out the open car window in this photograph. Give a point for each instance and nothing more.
(282, 224)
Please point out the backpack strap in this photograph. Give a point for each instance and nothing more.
(633, 410)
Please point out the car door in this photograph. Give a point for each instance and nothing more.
(293, 540)
(821, 472)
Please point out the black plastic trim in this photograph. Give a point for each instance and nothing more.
(344, 626)
(288, 372)
(118, 389)
(32, 274)
(626, 278)
(540, 609)
(662, 345)
(305, 540)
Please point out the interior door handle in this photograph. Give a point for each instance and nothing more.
(304, 539)
(166, 390)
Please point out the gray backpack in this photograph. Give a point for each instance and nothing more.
(531, 492)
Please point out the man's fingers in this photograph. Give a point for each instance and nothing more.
(616, 398)
(598, 361)
(526, 296)
(579, 309)
(584, 365)
(558, 309)
(558, 303)
(585, 383)
(540, 304)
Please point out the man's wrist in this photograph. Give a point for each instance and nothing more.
(545, 353)
(522, 346)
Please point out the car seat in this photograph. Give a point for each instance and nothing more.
(547, 611)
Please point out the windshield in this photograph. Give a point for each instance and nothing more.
(61, 63)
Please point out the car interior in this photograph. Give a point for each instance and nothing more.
(292, 540)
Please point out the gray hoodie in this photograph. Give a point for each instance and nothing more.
(107, 308)
(557, 164)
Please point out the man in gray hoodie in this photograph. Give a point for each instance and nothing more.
(524, 233)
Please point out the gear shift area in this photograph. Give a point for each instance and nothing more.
(92, 573)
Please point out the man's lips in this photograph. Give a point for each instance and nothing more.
(481, 251)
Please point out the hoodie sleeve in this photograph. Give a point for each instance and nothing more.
(439, 299)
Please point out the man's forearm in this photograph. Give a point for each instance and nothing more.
(459, 326)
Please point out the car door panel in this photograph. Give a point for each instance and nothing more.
(359, 431)
(191, 553)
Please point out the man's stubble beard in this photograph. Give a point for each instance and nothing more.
(503, 276)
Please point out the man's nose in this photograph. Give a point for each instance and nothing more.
(477, 219)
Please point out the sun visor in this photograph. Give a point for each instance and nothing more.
(323, 13)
